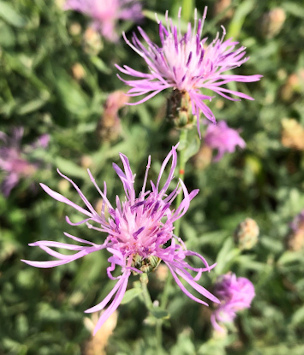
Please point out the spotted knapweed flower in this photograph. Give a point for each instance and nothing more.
(185, 63)
(14, 160)
(223, 138)
(106, 13)
(139, 231)
(235, 294)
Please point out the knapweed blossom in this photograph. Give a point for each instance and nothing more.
(235, 294)
(185, 62)
(223, 138)
(139, 233)
(106, 13)
(14, 160)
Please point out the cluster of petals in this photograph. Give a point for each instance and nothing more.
(14, 159)
(106, 13)
(137, 229)
(185, 62)
(235, 294)
(223, 138)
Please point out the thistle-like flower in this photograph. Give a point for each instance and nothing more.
(223, 138)
(14, 160)
(106, 13)
(235, 294)
(139, 234)
(185, 62)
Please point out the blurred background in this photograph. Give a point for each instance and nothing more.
(62, 106)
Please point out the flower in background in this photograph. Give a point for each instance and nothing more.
(223, 138)
(14, 160)
(235, 294)
(109, 127)
(106, 13)
(185, 62)
(138, 230)
(295, 238)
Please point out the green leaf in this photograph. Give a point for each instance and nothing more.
(8, 13)
(290, 257)
(160, 313)
(68, 167)
(298, 316)
(130, 295)
(100, 65)
(244, 8)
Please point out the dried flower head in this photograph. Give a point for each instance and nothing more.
(223, 138)
(14, 160)
(185, 62)
(235, 294)
(246, 234)
(106, 13)
(139, 234)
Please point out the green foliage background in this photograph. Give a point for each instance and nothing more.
(41, 311)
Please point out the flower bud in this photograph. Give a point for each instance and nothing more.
(246, 234)
(92, 42)
(78, 71)
(109, 125)
(272, 22)
(295, 238)
(292, 134)
(223, 7)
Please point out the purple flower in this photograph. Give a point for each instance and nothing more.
(298, 222)
(186, 63)
(219, 136)
(105, 13)
(235, 294)
(14, 159)
(138, 230)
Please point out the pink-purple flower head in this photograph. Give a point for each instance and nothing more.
(106, 13)
(185, 62)
(14, 159)
(138, 231)
(235, 294)
(223, 138)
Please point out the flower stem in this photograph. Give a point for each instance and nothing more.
(147, 299)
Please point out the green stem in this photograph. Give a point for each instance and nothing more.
(159, 337)
(147, 299)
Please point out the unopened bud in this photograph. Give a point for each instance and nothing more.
(292, 134)
(223, 7)
(109, 125)
(246, 234)
(92, 42)
(272, 22)
(78, 71)
(86, 161)
(75, 29)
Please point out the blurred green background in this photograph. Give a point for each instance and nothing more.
(55, 78)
